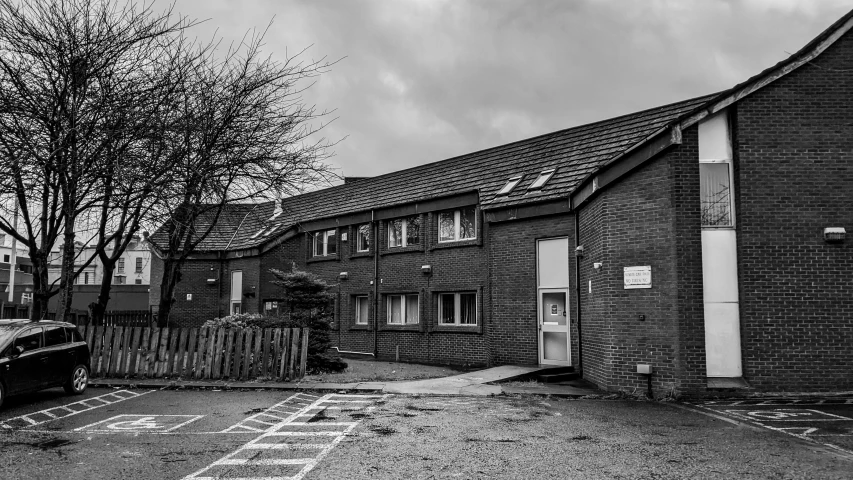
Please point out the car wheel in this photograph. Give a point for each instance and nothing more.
(79, 380)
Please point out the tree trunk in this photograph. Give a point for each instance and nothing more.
(99, 307)
(41, 294)
(171, 277)
(66, 291)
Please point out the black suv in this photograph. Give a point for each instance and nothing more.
(44, 354)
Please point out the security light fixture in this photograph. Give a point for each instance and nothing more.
(426, 269)
(343, 275)
(834, 234)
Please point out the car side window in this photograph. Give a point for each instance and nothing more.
(54, 335)
(30, 339)
(73, 335)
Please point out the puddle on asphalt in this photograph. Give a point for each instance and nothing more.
(383, 430)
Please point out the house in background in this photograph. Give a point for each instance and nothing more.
(23, 288)
(702, 242)
(130, 280)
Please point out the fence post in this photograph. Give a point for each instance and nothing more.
(2, 309)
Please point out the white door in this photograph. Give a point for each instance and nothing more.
(236, 292)
(553, 301)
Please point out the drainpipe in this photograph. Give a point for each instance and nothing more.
(375, 226)
(578, 294)
(219, 286)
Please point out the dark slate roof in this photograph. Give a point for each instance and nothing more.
(220, 238)
(574, 152)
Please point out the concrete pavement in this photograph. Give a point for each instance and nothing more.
(478, 383)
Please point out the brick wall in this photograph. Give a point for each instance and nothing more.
(461, 266)
(794, 161)
(631, 223)
(513, 327)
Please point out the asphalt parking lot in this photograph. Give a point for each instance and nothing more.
(121, 433)
(824, 421)
(205, 434)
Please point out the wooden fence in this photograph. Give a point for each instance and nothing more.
(116, 318)
(197, 353)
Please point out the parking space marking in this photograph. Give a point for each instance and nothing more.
(53, 413)
(140, 423)
(272, 416)
(270, 444)
(770, 419)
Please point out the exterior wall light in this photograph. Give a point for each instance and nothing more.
(579, 251)
(597, 265)
(834, 234)
(343, 275)
(426, 269)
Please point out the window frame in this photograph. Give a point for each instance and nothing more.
(457, 225)
(358, 237)
(732, 213)
(457, 309)
(357, 320)
(510, 185)
(325, 243)
(120, 265)
(139, 264)
(542, 179)
(404, 231)
(404, 297)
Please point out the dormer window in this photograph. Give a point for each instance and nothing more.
(542, 179)
(510, 185)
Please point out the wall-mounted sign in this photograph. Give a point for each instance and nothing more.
(638, 277)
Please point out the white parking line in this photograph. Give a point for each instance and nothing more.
(273, 415)
(262, 442)
(54, 413)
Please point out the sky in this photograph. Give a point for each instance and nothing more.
(418, 81)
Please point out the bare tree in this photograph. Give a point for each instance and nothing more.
(74, 87)
(239, 131)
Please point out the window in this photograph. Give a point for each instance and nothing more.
(72, 335)
(120, 265)
(510, 184)
(138, 281)
(457, 225)
(120, 280)
(85, 278)
(139, 265)
(6, 258)
(325, 243)
(403, 309)
(542, 179)
(27, 298)
(404, 232)
(30, 339)
(54, 335)
(362, 309)
(457, 308)
(271, 307)
(715, 191)
(362, 240)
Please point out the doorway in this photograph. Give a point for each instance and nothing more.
(552, 300)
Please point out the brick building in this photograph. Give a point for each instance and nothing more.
(704, 239)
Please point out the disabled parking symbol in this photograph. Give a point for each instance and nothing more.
(140, 424)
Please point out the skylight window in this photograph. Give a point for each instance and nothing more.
(542, 179)
(510, 184)
(259, 232)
